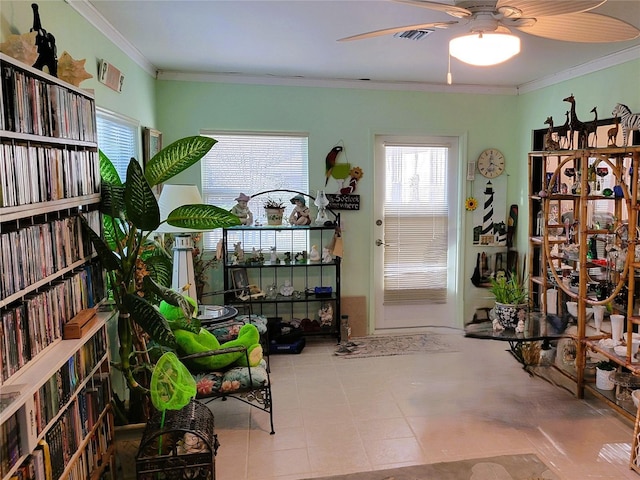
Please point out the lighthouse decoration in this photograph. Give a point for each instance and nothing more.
(487, 215)
(488, 231)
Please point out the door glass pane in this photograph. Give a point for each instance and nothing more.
(416, 224)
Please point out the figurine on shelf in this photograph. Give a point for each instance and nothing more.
(238, 252)
(314, 254)
(326, 255)
(326, 315)
(46, 43)
(300, 214)
(321, 202)
(241, 209)
(286, 290)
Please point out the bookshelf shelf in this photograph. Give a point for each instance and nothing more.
(52, 391)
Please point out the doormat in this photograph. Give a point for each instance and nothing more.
(504, 467)
(387, 345)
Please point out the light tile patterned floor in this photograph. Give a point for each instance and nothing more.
(336, 415)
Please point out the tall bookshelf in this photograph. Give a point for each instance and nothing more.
(54, 391)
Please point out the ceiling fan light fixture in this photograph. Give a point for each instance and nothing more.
(484, 49)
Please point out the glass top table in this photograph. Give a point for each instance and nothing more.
(537, 328)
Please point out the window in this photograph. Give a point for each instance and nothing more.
(416, 216)
(118, 139)
(251, 163)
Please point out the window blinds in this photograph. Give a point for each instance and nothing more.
(416, 223)
(251, 163)
(118, 139)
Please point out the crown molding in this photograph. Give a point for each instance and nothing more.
(274, 80)
(95, 18)
(601, 63)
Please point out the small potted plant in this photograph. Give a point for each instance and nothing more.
(274, 210)
(604, 369)
(511, 299)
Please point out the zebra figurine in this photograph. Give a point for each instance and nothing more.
(628, 121)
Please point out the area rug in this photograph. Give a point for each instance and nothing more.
(505, 467)
(386, 345)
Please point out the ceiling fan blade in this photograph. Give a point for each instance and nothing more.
(388, 31)
(452, 10)
(546, 8)
(583, 27)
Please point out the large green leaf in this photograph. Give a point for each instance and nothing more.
(141, 204)
(108, 172)
(177, 157)
(202, 217)
(112, 200)
(160, 269)
(150, 320)
(109, 260)
(114, 231)
(169, 295)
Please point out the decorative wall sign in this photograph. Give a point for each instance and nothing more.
(343, 202)
(110, 76)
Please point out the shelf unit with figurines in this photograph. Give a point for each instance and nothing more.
(286, 273)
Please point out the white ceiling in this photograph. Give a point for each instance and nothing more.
(298, 39)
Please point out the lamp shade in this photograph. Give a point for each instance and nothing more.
(172, 197)
(484, 49)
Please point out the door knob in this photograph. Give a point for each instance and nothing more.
(380, 242)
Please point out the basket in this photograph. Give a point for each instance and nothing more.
(184, 448)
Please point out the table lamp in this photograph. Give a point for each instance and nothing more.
(172, 197)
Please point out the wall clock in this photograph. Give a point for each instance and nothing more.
(491, 163)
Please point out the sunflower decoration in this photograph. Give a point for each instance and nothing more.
(356, 174)
(470, 204)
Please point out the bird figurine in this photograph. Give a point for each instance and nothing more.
(330, 161)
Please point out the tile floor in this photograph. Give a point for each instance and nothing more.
(335, 415)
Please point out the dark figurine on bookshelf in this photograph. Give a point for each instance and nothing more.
(46, 43)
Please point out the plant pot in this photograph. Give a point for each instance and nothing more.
(509, 315)
(603, 382)
(274, 215)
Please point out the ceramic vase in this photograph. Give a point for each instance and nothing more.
(274, 215)
(509, 315)
(603, 382)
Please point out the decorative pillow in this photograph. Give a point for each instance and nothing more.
(234, 379)
(228, 331)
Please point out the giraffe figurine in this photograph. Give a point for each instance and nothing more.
(549, 142)
(563, 131)
(612, 133)
(575, 125)
(592, 128)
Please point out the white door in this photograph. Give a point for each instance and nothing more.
(415, 233)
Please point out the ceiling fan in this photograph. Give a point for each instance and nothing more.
(489, 22)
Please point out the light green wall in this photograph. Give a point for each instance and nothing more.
(354, 116)
(329, 115)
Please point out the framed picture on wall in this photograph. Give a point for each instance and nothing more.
(151, 144)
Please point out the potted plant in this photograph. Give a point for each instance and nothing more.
(274, 210)
(604, 369)
(511, 299)
(137, 274)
